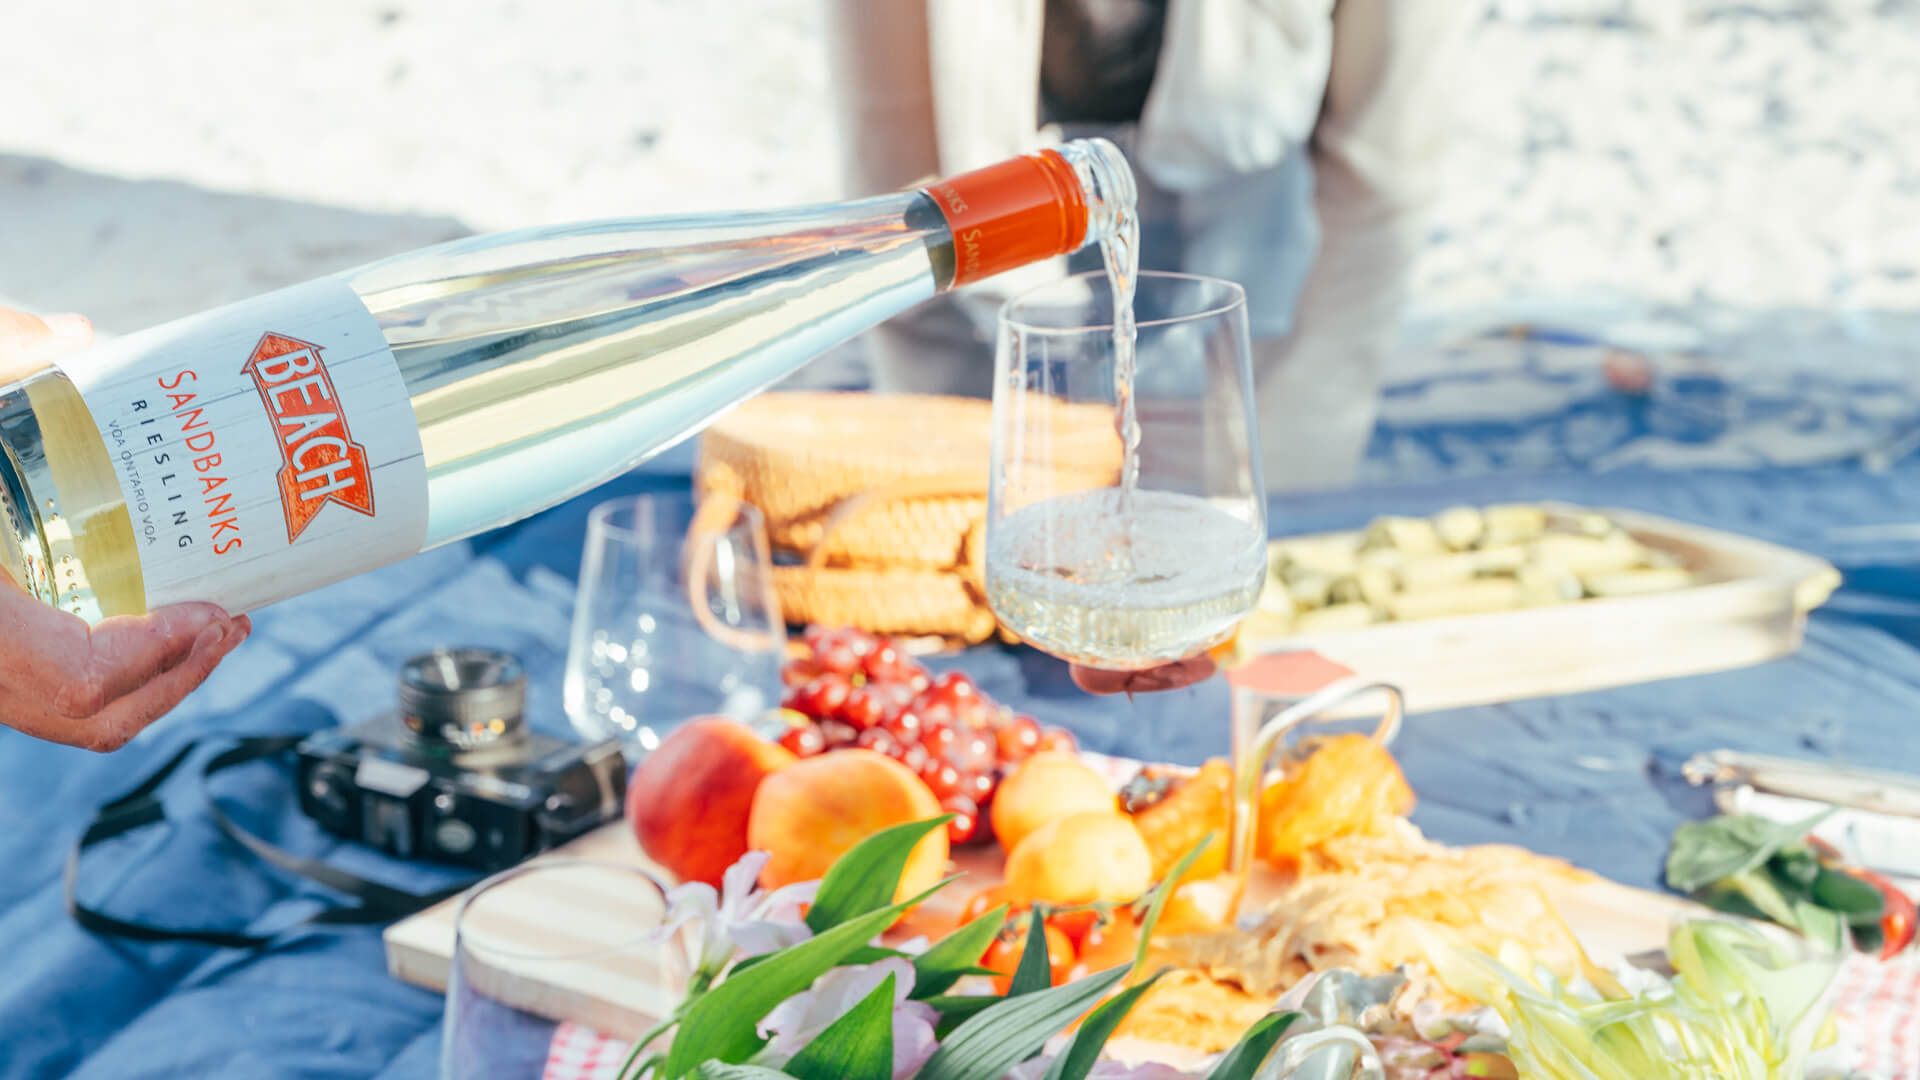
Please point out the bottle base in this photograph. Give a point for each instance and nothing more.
(49, 552)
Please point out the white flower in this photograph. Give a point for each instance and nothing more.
(739, 919)
(801, 1018)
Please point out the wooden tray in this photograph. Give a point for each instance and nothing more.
(611, 994)
(1751, 607)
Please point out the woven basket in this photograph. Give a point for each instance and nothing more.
(876, 504)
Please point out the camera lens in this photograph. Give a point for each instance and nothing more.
(330, 791)
(463, 698)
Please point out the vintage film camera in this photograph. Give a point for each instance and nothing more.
(455, 775)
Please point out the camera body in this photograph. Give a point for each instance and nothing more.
(454, 775)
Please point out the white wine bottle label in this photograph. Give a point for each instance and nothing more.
(265, 449)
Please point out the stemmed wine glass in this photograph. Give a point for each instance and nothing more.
(1083, 562)
(676, 617)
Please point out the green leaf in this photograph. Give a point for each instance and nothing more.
(1162, 893)
(954, 1009)
(1034, 972)
(714, 1070)
(858, 1046)
(956, 955)
(1251, 1051)
(864, 879)
(866, 954)
(1012, 1029)
(1704, 852)
(1092, 1037)
(720, 1024)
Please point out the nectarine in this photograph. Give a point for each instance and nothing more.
(1046, 787)
(1080, 859)
(690, 799)
(808, 815)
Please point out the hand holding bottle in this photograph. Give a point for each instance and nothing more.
(93, 688)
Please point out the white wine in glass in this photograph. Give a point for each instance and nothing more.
(1161, 560)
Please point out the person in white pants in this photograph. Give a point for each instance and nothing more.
(1290, 145)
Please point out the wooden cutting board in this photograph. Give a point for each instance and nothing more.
(622, 992)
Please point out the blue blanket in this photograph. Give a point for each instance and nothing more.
(1591, 776)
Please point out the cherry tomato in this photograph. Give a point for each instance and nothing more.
(1107, 945)
(837, 734)
(964, 828)
(912, 755)
(941, 777)
(1058, 739)
(1074, 924)
(984, 901)
(905, 725)
(973, 752)
(957, 685)
(883, 661)
(977, 786)
(1004, 955)
(823, 697)
(1018, 739)
(975, 713)
(877, 739)
(865, 707)
(799, 673)
(803, 740)
(937, 737)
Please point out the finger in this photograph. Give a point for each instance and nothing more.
(128, 716)
(127, 652)
(1165, 677)
(29, 341)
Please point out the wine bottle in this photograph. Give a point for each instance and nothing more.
(289, 441)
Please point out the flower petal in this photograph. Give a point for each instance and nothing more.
(738, 884)
(913, 1037)
(758, 937)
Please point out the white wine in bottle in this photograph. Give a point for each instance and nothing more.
(283, 443)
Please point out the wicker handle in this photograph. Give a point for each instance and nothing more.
(918, 487)
(712, 517)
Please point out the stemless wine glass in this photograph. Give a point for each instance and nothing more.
(1079, 563)
(676, 617)
(521, 978)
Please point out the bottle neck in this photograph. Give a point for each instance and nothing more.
(1034, 207)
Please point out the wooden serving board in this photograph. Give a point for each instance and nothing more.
(623, 992)
(1751, 606)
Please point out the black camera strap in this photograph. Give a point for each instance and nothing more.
(141, 807)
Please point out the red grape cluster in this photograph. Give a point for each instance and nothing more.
(856, 689)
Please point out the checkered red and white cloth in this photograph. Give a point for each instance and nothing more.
(1878, 1006)
(580, 1053)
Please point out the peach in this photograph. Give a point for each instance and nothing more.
(808, 815)
(689, 801)
(1047, 787)
(1080, 859)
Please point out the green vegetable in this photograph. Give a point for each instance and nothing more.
(1756, 868)
(1741, 1007)
(1705, 852)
